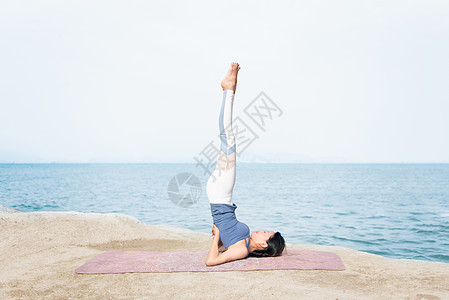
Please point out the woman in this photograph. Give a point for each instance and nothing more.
(232, 237)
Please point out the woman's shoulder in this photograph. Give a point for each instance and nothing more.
(242, 244)
(239, 247)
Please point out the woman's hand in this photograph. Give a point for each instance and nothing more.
(215, 231)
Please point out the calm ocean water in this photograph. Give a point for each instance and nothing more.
(395, 210)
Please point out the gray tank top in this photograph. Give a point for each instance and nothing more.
(231, 230)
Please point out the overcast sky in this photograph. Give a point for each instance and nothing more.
(139, 81)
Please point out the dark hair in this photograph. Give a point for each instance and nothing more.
(276, 245)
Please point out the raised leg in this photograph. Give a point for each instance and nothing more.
(221, 182)
(226, 159)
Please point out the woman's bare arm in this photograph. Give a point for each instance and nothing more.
(231, 254)
(214, 258)
(213, 251)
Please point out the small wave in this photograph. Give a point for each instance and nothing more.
(27, 208)
(402, 242)
(381, 240)
(374, 217)
(353, 240)
(348, 213)
(425, 231)
(440, 257)
(378, 252)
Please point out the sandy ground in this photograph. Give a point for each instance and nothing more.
(40, 251)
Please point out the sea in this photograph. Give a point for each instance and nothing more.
(398, 211)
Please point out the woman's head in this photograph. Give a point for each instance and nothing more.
(268, 243)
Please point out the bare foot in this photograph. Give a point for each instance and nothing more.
(230, 81)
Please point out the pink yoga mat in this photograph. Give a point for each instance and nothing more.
(116, 261)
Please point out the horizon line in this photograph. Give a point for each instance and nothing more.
(242, 162)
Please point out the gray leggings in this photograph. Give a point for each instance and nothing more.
(221, 182)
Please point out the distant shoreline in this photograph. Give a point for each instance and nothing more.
(242, 162)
